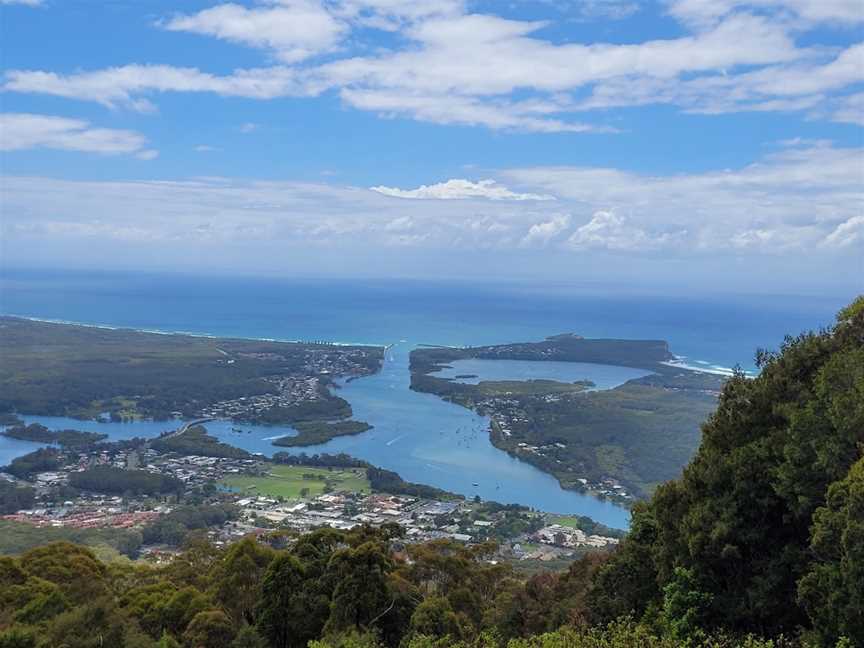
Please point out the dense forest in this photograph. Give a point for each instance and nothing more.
(118, 481)
(760, 544)
(86, 371)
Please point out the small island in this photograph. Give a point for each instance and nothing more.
(317, 432)
(40, 434)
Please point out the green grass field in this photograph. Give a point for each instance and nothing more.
(288, 481)
(572, 522)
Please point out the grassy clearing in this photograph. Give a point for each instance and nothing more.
(289, 481)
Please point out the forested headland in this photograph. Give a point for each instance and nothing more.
(88, 372)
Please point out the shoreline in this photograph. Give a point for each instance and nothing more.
(676, 363)
(208, 336)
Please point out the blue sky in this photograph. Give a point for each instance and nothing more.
(712, 143)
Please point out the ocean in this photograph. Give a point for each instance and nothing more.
(423, 438)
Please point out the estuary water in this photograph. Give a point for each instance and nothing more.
(472, 371)
(418, 435)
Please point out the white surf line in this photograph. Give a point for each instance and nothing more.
(392, 441)
(710, 369)
(209, 336)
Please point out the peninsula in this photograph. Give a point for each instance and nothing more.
(90, 372)
(617, 443)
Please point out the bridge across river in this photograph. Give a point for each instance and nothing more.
(187, 425)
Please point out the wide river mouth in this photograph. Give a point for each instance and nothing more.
(422, 437)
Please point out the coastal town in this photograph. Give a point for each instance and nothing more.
(306, 380)
(510, 421)
(246, 488)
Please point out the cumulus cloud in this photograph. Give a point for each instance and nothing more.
(847, 234)
(28, 3)
(458, 189)
(545, 231)
(804, 197)
(248, 127)
(437, 70)
(607, 230)
(292, 29)
(792, 197)
(21, 131)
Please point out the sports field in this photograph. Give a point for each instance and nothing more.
(289, 481)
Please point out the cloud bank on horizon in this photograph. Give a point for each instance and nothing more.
(759, 104)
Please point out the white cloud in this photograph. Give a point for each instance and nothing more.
(28, 3)
(850, 109)
(847, 234)
(607, 230)
(706, 12)
(455, 55)
(392, 15)
(466, 111)
(125, 85)
(545, 231)
(803, 198)
(248, 127)
(293, 29)
(799, 86)
(793, 197)
(459, 189)
(205, 148)
(21, 131)
(607, 9)
(438, 68)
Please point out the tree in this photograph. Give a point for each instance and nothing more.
(281, 611)
(209, 629)
(238, 577)
(684, 606)
(167, 641)
(832, 591)
(94, 624)
(14, 498)
(361, 597)
(435, 617)
(738, 521)
(349, 640)
(17, 638)
(249, 637)
(73, 568)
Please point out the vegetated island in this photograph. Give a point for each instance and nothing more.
(618, 443)
(90, 372)
(316, 432)
(40, 434)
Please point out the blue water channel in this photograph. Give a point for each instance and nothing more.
(420, 436)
